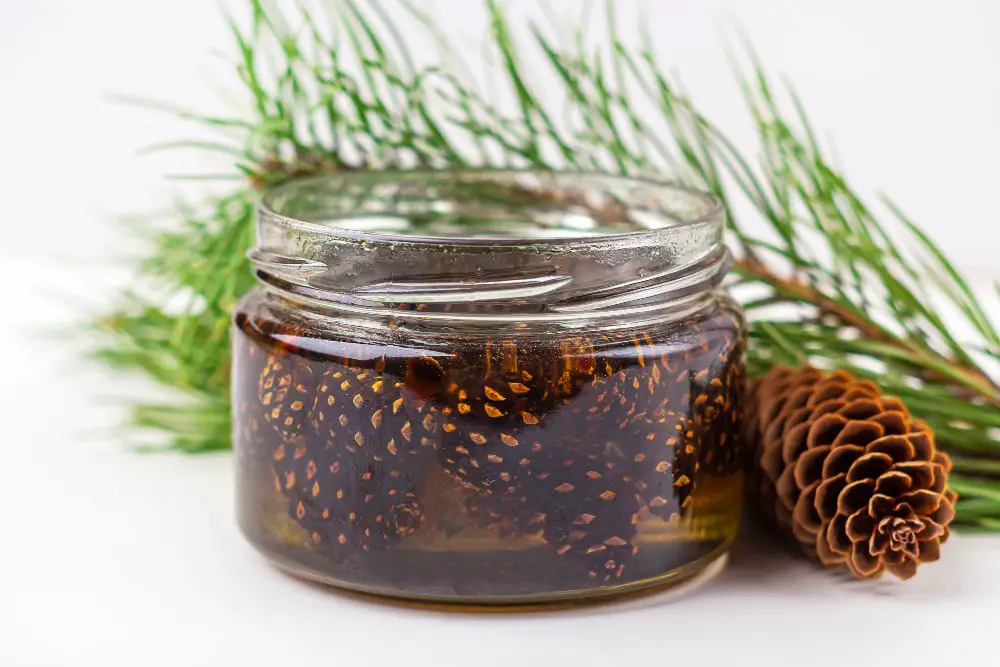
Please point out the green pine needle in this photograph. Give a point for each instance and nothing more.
(845, 285)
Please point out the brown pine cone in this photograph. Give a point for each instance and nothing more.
(590, 513)
(489, 401)
(251, 431)
(718, 385)
(665, 463)
(287, 393)
(847, 471)
(350, 479)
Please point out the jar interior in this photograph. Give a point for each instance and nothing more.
(436, 465)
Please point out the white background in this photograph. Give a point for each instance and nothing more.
(909, 92)
(108, 557)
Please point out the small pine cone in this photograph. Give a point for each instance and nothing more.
(504, 382)
(664, 463)
(590, 513)
(339, 499)
(848, 471)
(489, 402)
(252, 436)
(614, 391)
(367, 412)
(486, 458)
(286, 390)
(718, 386)
(635, 413)
(351, 479)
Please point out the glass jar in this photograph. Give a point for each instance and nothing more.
(488, 386)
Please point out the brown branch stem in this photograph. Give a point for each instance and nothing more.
(982, 386)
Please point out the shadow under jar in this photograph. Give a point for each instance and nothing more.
(488, 386)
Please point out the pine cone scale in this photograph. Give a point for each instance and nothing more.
(859, 431)
(809, 467)
(855, 496)
(836, 536)
(795, 442)
(923, 474)
(930, 550)
(805, 512)
(825, 430)
(830, 554)
(788, 492)
(893, 422)
(859, 526)
(827, 493)
(840, 460)
(930, 531)
(869, 466)
(897, 447)
(863, 563)
(944, 514)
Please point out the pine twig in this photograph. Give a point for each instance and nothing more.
(979, 385)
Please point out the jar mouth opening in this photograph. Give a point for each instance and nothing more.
(494, 244)
(488, 207)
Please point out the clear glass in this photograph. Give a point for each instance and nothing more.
(488, 387)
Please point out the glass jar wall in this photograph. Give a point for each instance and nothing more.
(488, 387)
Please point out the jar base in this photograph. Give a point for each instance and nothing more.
(677, 582)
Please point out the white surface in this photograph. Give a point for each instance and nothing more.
(112, 558)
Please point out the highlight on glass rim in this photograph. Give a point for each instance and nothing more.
(585, 326)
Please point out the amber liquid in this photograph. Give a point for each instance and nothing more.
(488, 469)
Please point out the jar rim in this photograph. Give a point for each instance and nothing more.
(710, 209)
(332, 241)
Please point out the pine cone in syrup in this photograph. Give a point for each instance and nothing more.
(609, 421)
(511, 411)
(849, 472)
(657, 428)
(664, 463)
(590, 512)
(341, 500)
(491, 400)
(373, 425)
(618, 383)
(286, 390)
(585, 482)
(351, 479)
(253, 436)
(718, 385)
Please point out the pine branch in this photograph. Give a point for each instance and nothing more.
(854, 288)
(939, 369)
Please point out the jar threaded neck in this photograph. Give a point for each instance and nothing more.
(490, 245)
